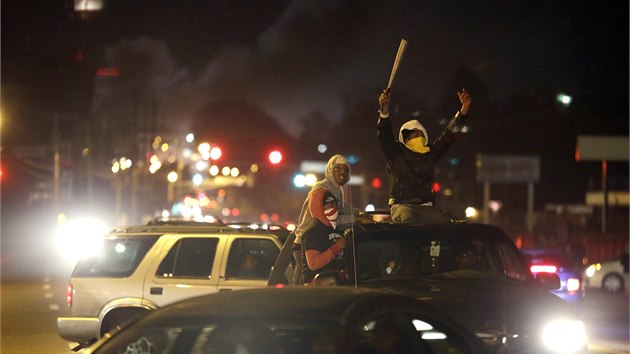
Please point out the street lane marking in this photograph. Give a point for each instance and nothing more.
(53, 307)
(48, 295)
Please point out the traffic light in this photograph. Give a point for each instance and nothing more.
(275, 157)
(376, 183)
(436, 187)
(215, 153)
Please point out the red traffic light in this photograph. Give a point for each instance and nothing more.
(215, 153)
(376, 183)
(275, 157)
(436, 187)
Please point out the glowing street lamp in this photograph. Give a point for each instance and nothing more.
(172, 177)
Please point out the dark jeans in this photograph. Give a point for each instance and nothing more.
(421, 214)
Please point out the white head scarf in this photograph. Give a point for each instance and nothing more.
(411, 125)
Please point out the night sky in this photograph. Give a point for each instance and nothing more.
(295, 58)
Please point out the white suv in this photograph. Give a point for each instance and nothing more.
(142, 268)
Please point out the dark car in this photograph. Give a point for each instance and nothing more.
(549, 260)
(293, 321)
(472, 272)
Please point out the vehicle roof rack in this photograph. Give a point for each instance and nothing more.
(186, 226)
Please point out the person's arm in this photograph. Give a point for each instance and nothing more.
(384, 134)
(447, 138)
(461, 115)
(316, 259)
(305, 221)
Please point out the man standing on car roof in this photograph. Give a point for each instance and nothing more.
(411, 161)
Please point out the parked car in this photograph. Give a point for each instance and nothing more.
(609, 276)
(472, 272)
(293, 321)
(557, 261)
(279, 230)
(142, 268)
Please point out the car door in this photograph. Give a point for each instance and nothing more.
(248, 261)
(188, 266)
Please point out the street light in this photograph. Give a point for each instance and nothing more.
(172, 177)
(170, 192)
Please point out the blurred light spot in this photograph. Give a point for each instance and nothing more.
(197, 179)
(299, 181)
(352, 159)
(215, 153)
(172, 176)
(310, 179)
(204, 148)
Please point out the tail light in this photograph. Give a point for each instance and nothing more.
(573, 284)
(69, 295)
(541, 268)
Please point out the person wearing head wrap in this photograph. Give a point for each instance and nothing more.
(411, 161)
(323, 243)
(336, 175)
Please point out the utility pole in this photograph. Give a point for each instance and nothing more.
(89, 173)
(56, 166)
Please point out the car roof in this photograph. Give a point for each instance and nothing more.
(478, 230)
(188, 227)
(324, 303)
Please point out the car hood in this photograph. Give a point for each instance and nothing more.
(469, 295)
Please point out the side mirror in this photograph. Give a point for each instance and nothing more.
(548, 281)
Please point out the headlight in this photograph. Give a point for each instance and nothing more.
(564, 336)
(79, 238)
(592, 269)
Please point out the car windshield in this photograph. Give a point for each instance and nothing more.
(431, 254)
(118, 257)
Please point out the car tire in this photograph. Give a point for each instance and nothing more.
(118, 317)
(613, 283)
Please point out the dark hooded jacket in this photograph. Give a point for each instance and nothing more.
(411, 174)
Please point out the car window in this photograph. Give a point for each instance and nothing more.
(208, 337)
(251, 258)
(189, 258)
(437, 337)
(405, 256)
(384, 335)
(512, 264)
(418, 334)
(118, 257)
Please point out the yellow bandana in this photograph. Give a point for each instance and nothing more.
(418, 145)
